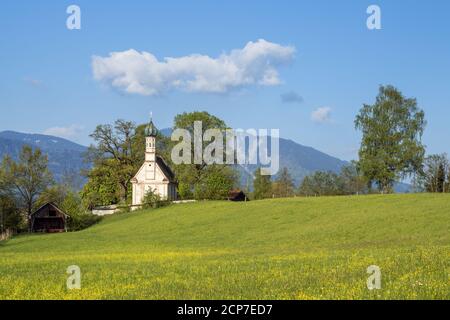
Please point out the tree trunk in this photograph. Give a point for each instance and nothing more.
(29, 208)
(124, 191)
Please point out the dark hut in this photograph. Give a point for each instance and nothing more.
(48, 218)
(237, 195)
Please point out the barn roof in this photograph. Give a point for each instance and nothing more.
(52, 205)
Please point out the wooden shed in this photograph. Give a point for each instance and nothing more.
(237, 195)
(48, 218)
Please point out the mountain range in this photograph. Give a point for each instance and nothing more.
(298, 159)
(66, 158)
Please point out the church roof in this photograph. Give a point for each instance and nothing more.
(162, 165)
(165, 168)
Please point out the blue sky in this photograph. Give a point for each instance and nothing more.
(48, 84)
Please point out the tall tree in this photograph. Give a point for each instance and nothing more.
(116, 149)
(391, 146)
(262, 186)
(195, 178)
(28, 177)
(187, 121)
(284, 184)
(307, 187)
(102, 188)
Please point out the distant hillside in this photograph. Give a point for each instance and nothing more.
(65, 157)
(299, 160)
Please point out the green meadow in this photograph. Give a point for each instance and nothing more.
(297, 248)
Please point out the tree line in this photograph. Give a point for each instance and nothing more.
(320, 183)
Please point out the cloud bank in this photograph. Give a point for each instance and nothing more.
(142, 73)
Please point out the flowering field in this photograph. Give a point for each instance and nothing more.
(299, 248)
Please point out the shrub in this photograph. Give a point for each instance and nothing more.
(82, 221)
(10, 218)
(79, 218)
(152, 200)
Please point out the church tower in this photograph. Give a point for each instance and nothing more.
(150, 150)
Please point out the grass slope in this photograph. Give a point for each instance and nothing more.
(299, 248)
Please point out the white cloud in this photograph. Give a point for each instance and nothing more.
(321, 115)
(68, 132)
(141, 73)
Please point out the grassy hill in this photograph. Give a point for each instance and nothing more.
(315, 248)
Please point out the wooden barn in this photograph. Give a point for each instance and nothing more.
(48, 218)
(237, 195)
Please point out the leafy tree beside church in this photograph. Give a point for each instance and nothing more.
(200, 180)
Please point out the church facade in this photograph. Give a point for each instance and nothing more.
(154, 173)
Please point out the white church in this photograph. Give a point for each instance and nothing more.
(154, 173)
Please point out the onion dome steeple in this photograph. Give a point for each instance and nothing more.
(150, 130)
